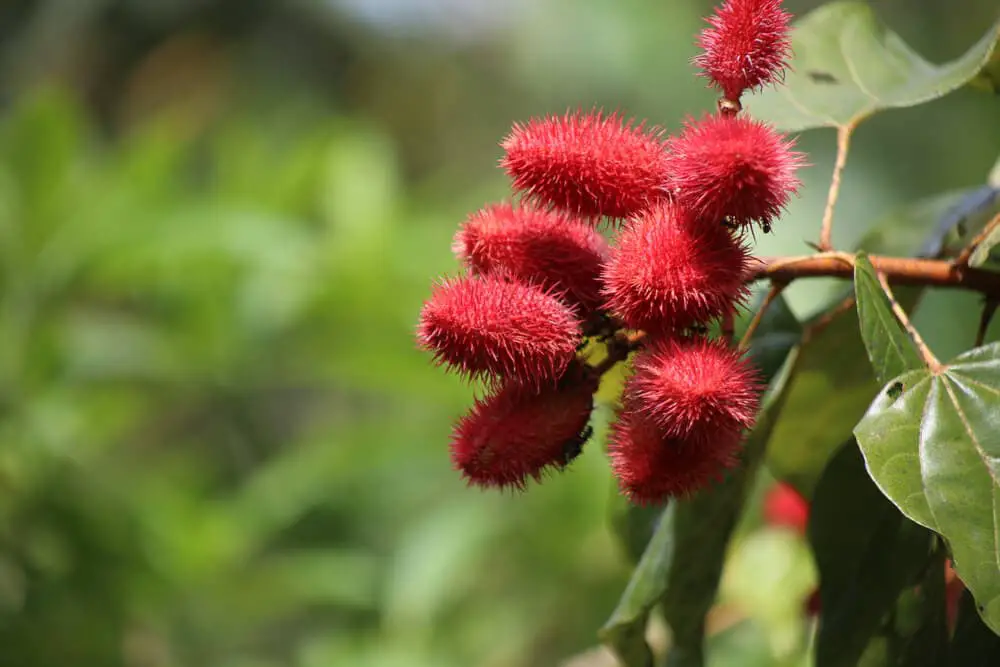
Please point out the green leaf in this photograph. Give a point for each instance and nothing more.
(919, 637)
(890, 349)
(987, 254)
(848, 66)
(931, 442)
(624, 632)
(988, 78)
(779, 331)
(833, 385)
(866, 553)
(683, 560)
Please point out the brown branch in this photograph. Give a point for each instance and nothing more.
(897, 270)
(962, 261)
(619, 348)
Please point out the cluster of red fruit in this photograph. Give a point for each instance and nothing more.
(541, 280)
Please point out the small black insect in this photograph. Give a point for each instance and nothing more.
(574, 446)
(765, 227)
(895, 390)
(699, 329)
(822, 77)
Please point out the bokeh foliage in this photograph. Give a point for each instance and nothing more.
(218, 445)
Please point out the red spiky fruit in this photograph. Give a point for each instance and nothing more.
(733, 168)
(695, 388)
(547, 247)
(652, 467)
(587, 164)
(670, 271)
(785, 507)
(516, 432)
(746, 46)
(495, 325)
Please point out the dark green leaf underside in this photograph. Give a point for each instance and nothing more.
(866, 553)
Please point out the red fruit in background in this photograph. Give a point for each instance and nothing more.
(547, 247)
(589, 164)
(746, 46)
(784, 506)
(670, 271)
(652, 467)
(495, 325)
(737, 168)
(695, 388)
(517, 432)
(813, 605)
(953, 588)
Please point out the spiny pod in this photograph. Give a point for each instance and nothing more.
(588, 164)
(548, 247)
(495, 325)
(515, 432)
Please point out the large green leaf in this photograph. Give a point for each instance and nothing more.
(866, 553)
(890, 349)
(683, 559)
(625, 631)
(848, 66)
(832, 386)
(932, 444)
(919, 636)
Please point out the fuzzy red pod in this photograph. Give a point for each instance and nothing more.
(695, 388)
(548, 247)
(516, 432)
(746, 46)
(670, 271)
(785, 507)
(652, 467)
(588, 164)
(733, 168)
(495, 325)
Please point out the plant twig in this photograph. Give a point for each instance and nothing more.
(925, 352)
(843, 144)
(728, 324)
(989, 308)
(897, 270)
(619, 348)
(962, 261)
(817, 326)
(777, 287)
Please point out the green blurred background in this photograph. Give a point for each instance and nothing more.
(218, 220)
